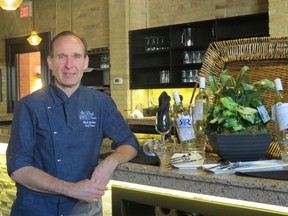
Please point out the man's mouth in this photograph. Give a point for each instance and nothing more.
(69, 74)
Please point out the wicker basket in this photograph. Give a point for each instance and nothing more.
(267, 57)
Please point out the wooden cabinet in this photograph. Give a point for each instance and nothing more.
(163, 48)
(255, 25)
(97, 76)
(148, 56)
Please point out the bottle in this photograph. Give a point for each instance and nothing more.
(201, 107)
(184, 125)
(279, 98)
(280, 112)
(200, 114)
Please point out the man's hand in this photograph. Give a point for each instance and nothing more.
(104, 171)
(87, 190)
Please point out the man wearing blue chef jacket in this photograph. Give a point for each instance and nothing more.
(56, 136)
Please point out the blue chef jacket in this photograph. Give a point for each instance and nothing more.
(61, 135)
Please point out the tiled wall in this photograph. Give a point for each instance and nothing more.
(105, 23)
(278, 18)
(182, 11)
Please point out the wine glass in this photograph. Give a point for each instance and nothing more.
(163, 124)
(153, 147)
(158, 148)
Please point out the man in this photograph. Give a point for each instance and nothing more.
(56, 136)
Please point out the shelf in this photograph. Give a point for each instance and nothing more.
(188, 48)
(190, 65)
(146, 66)
(97, 75)
(156, 52)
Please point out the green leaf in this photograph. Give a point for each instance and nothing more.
(227, 113)
(250, 118)
(213, 120)
(247, 87)
(230, 123)
(229, 103)
(213, 83)
(268, 84)
(242, 74)
(245, 78)
(247, 110)
(221, 119)
(216, 110)
(238, 128)
(225, 79)
(257, 103)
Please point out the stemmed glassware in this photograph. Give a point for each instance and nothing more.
(163, 124)
(158, 148)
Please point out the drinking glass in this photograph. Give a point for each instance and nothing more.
(163, 126)
(148, 44)
(153, 147)
(162, 149)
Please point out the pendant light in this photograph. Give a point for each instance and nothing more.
(34, 38)
(10, 4)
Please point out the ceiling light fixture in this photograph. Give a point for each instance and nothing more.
(34, 38)
(10, 4)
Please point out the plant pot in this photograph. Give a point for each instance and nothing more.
(240, 147)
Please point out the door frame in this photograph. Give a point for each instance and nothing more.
(19, 45)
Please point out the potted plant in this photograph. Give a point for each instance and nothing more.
(235, 125)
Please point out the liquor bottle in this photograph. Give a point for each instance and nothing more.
(184, 125)
(280, 111)
(200, 115)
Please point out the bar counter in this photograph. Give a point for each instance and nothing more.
(274, 192)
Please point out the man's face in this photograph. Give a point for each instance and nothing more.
(68, 62)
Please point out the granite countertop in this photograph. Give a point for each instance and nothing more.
(150, 121)
(267, 191)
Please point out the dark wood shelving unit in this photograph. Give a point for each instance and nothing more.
(97, 76)
(168, 49)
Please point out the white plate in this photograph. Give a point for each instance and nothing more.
(189, 165)
(249, 166)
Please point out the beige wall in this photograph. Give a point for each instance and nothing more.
(107, 22)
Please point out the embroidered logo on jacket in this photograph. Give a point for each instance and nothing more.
(88, 119)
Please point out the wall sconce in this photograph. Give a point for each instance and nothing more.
(10, 4)
(34, 39)
(38, 73)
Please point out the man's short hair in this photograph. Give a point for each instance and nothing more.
(66, 33)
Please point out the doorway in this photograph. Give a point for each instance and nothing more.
(29, 73)
(27, 67)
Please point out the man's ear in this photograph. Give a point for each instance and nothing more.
(86, 63)
(49, 62)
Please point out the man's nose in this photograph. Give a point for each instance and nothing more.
(68, 62)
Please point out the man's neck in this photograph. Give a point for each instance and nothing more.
(68, 90)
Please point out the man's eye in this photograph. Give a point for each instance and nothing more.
(61, 57)
(77, 56)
